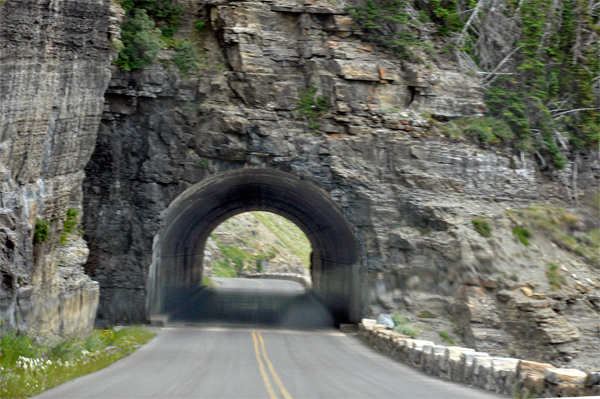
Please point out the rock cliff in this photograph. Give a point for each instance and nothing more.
(54, 69)
(410, 193)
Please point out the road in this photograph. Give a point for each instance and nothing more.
(200, 361)
(263, 302)
(258, 286)
(218, 362)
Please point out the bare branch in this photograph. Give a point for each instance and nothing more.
(518, 7)
(575, 179)
(473, 15)
(544, 166)
(493, 73)
(563, 113)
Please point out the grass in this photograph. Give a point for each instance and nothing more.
(426, 315)
(403, 326)
(207, 282)
(421, 230)
(555, 279)
(522, 235)
(27, 369)
(482, 226)
(288, 233)
(558, 224)
(446, 337)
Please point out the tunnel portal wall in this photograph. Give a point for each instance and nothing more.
(178, 252)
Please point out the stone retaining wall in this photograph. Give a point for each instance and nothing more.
(507, 376)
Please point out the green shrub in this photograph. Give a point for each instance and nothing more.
(426, 315)
(164, 12)
(487, 130)
(71, 221)
(69, 225)
(386, 22)
(446, 337)
(312, 107)
(555, 278)
(403, 326)
(199, 25)
(185, 56)
(13, 345)
(202, 163)
(482, 226)
(141, 42)
(522, 235)
(42, 230)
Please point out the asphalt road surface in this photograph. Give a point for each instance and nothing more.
(258, 286)
(219, 362)
(253, 361)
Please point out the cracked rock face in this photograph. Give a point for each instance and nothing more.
(409, 193)
(54, 59)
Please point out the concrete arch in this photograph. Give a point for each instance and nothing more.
(179, 247)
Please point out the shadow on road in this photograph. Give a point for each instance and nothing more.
(295, 310)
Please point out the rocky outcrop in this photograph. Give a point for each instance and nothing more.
(409, 193)
(54, 63)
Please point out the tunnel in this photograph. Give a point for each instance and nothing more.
(177, 264)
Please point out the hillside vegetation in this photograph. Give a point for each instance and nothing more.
(539, 63)
(257, 241)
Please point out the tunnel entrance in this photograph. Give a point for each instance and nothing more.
(175, 277)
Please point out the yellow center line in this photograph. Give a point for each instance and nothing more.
(262, 368)
(284, 392)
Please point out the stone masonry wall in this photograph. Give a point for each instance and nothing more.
(507, 376)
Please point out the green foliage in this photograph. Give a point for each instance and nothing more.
(421, 230)
(446, 337)
(185, 56)
(482, 226)
(488, 130)
(522, 235)
(207, 282)
(311, 106)
(42, 231)
(69, 225)
(426, 315)
(165, 13)
(555, 278)
(222, 268)
(403, 326)
(202, 163)
(141, 42)
(236, 259)
(554, 74)
(13, 345)
(290, 235)
(71, 221)
(27, 369)
(376, 17)
(558, 223)
(199, 25)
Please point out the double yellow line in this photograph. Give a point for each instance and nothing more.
(258, 337)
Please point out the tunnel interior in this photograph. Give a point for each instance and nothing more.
(175, 276)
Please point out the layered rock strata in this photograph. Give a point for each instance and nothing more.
(54, 69)
(409, 192)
